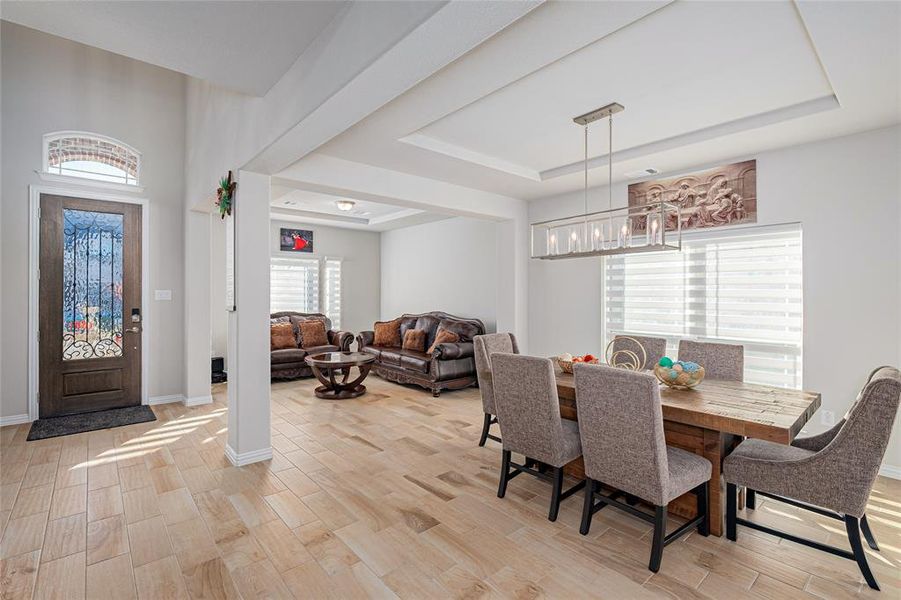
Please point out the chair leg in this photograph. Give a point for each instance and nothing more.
(852, 525)
(486, 424)
(587, 506)
(555, 494)
(703, 526)
(865, 528)
(659, 536)
(505, 472)
(750, 499)
(731, 512)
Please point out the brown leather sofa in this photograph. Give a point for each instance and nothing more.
(452, 365)
(289, 362)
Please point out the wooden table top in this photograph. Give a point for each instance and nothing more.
(747, 409)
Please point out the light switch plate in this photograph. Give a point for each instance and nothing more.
(162, 294)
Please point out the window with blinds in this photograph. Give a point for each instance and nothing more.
(306, 285)
(294, 284)
(742, 287)
(332, 296)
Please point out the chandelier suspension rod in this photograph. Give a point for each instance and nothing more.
(610, 161)
(585, 128)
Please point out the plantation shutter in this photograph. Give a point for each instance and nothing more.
(332, 298)
(294, 285)
(740, 287)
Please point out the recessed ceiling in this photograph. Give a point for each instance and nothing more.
(243, 46)
(314, 207)
(701, 82)
(674, 72)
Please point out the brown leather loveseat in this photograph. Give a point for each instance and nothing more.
(288, 363)
(451, 365)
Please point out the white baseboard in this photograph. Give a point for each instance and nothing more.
(199, 400)
(14, 420)
(239, 460)
(165, 399)
(890, 471)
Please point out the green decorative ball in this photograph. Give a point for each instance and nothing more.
(666, 362)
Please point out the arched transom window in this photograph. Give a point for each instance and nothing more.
(91, 156)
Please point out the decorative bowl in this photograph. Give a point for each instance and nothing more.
(679, 379)
(567, 365)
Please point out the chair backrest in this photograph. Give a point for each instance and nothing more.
(855, 454)
(528, 410)
(720, 361)
(621, 426)
(654, 348)
(484, 346)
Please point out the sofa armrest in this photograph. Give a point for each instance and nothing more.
(365, 338)
(342, 339)
(453, 350)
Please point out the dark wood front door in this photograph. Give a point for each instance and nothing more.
(89, 306)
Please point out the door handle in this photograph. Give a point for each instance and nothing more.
(135, 329)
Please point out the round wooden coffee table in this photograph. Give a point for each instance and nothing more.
(325, 366)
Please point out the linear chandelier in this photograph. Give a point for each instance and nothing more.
(624, 230)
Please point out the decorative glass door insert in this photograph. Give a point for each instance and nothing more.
(92, 284)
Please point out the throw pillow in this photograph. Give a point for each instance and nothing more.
(281, 336)
(296, 320)
(444, 336)
(387, 333)
(415, 339)
(312, 334)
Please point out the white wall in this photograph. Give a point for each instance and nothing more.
(448, 265)
(845, 192)
(360, 268)
(51, 84)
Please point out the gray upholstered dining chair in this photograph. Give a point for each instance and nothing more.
(484, 346)
(654, 348)
(831, 474)
(528, 412)
(623, 446)
(720, 361)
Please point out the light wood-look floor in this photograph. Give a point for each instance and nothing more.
(383, 496)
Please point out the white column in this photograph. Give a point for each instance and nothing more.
(197, 308)
(249, 437)
(513, 272)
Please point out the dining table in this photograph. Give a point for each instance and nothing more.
(710, 420)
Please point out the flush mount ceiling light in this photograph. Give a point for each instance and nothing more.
(624, 230)
(345, 205)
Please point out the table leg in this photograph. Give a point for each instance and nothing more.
(333, 389)
(714, 447)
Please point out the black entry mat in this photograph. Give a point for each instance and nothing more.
(104, 419)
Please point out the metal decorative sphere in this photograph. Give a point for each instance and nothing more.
(624, 358)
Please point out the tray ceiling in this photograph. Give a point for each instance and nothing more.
(676, 73)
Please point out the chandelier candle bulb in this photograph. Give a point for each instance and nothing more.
(652, 236)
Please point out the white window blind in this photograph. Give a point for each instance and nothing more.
(332, 299)
(294, 284)
(741, 287)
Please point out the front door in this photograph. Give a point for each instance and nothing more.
(89, 305)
